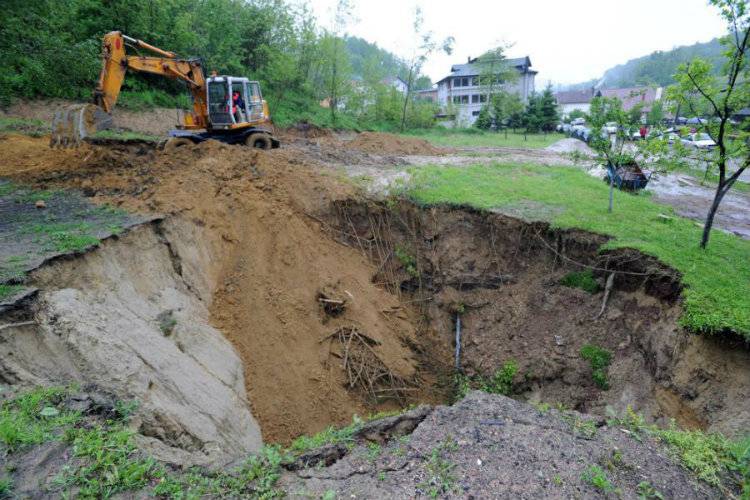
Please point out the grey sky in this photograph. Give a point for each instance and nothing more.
(568, 41)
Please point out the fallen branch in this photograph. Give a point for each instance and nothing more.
(16, 325)
(607, 291)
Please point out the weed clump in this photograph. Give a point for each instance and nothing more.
(599, 359)
(501, 381)
(581, 279)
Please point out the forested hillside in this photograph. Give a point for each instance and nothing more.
(659, 67)
(656, 68)
(50, 49)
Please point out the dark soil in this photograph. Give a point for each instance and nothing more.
(490, 446)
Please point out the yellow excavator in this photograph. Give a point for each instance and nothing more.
(226, 108)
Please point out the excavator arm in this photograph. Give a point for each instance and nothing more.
(70, 126)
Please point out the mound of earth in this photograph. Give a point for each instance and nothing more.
(569, 145)
(382, 144)
(490, 446)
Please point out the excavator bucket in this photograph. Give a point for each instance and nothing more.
(74, 123)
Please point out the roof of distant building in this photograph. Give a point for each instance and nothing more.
(470, 68)
(632, 96)
(575, 96)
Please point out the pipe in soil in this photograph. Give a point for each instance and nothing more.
(458, 342)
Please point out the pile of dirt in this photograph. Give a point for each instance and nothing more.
(570, 145)
(305, 130)
(384, 144)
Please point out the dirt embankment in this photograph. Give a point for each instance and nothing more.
(503, 276)
(267, 276)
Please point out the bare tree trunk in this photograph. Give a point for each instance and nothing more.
(406, 98)
(721, 190)
(611, 192)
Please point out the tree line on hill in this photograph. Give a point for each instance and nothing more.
(51, 49)
(658, 68)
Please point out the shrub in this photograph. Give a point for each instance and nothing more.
(581, 279)
(599, 359)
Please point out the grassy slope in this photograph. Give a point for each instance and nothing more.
(477, 138)
(717, 293)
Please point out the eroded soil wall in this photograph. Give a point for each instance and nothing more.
(503, 276)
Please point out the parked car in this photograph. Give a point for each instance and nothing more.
(578, 121)
(610, 127)
(669, 135)
(699, 140)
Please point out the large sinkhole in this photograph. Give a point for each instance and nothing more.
(275, 308)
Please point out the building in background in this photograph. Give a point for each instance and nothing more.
(461, 92)
(630, 97)
(574, 100)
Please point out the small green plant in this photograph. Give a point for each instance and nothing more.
(9, 290)
(581, 279)
(110, 462)
(373, 451)
(599, 359)
(330, 435)
(557, 480)
(6, 487)
(381, 476)
(407, 260)
(441, 479)
(167, 322)
(34, 417)
(596, 477)
(500, 383)
(647, 492)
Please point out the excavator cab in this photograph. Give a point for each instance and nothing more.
(226, 113)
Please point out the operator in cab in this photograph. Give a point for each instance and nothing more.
(238, 106)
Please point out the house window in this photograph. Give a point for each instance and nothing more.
(475, 113)
(457, 82)
(464, 99)
(475, 98)
(465, 82)
(456, 99)
(483, 98)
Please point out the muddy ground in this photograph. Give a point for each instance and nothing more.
(281, 255)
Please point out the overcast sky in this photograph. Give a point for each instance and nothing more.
(568, 40)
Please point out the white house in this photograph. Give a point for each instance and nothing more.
(571, 100)
(461, 88)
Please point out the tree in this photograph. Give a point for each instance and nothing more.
(610, 148)
(337, 68)
(696, 86)
(532, 119)
(484, 120)
(494, 72)
(548, 116)
(427, 45)
(655, 114)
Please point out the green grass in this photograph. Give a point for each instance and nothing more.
(9, 290)
(64, 237)
(599, 359)
(479, 138)
(32, 127)
(596, 477)
(33, 418)
(581, 279)
(125, 135)
(501, 382)
(717, 280)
